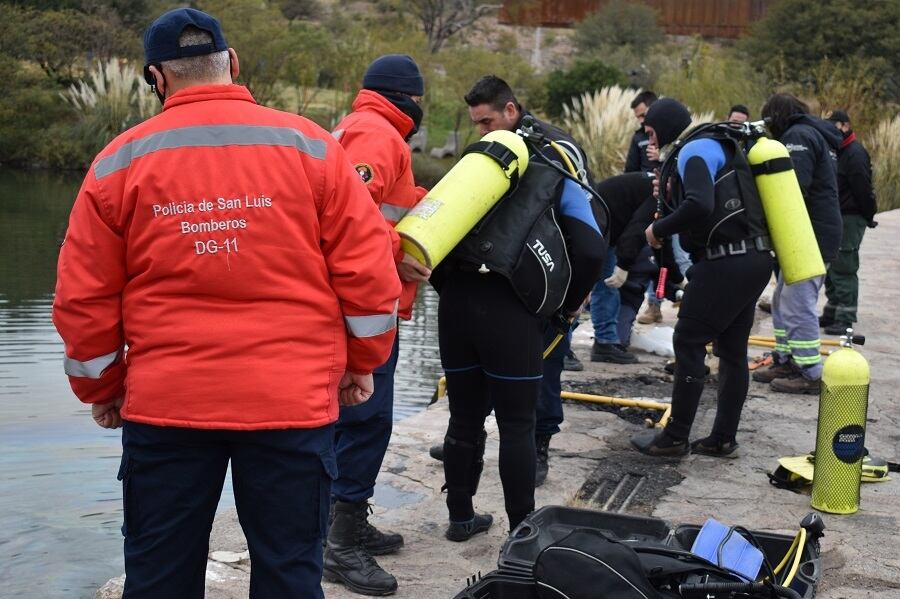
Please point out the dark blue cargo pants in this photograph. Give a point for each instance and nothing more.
(171, 482)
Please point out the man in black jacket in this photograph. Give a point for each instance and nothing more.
(858, 207)
(813, 145)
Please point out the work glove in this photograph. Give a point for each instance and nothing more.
(617, 279)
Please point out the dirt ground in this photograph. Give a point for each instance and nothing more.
(591, 457)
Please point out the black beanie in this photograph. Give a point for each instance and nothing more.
(394, 73)
(669, 118)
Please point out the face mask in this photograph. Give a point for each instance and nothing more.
(408, 107)
(148, 77)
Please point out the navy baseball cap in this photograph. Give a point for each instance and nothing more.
(161, 38)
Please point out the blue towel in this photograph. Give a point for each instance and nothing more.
(726, 548)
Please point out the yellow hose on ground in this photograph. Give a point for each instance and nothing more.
(831, 342)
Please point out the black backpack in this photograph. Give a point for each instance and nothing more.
(586, 564)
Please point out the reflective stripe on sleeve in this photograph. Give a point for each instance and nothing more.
(209, 136)
(393, 212)
(371, 326)
(90, 369)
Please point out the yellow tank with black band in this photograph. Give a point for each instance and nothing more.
(841, 432)
(460, 199)
(789, 226)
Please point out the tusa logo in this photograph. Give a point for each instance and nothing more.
(544, 255)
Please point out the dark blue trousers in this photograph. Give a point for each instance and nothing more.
(549, 410)
(362, 434)
(171, 482)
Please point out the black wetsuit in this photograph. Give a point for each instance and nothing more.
(721, 224)
(491, 349)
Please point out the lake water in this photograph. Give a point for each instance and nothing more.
(60, 503)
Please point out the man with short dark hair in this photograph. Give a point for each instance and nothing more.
(858, 208)
(738, 114)
(225, 284)
(493, 106)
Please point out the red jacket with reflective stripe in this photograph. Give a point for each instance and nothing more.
(234, 251)
(374, 137)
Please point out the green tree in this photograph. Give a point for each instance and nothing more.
(619, 24)
(795, 35)
(583, 76)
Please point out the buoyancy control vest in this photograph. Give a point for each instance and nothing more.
(521, 239)
(737, 214)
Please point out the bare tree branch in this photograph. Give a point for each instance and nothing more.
(442, 19)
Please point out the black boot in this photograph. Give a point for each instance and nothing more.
(437, 452)
(377, 542)
(346, 560)
(542, 445)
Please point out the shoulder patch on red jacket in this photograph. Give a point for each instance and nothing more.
(364, 171)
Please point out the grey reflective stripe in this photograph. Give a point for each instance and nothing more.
(371, 326)
(393, 212)
(91, 369)
(209, 136)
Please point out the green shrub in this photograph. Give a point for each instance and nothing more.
(619, 24)
(585, 76)
(29, 108)
(713, 79)
(884, 144)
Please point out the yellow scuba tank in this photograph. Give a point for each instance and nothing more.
(788, 220)
(463, 196)
(841, 431)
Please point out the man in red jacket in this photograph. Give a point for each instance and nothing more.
(224, 284)
(385, 114)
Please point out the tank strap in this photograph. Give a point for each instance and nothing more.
(500, 153)
(770, 167)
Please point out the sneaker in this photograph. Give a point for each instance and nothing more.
(463, 531)
(652, 313)
(838, 328)
(775, 371)
(799, 385)
(612, 352)
(571, 362)
(660, 444)
(715, 447)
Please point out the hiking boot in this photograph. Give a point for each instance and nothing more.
(652, 313)
(542, 445)
(715, 447)
(838, 328)
(660, 444)
(571, 362)
(765, 305)
(798, 384)
(346, 559)
(437, 452)
(463, 531)
(611, 352)
(775, 371)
